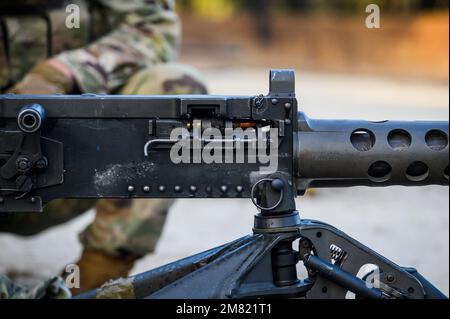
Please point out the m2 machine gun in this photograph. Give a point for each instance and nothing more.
(257, 147)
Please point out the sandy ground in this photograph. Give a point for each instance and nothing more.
(408, 225)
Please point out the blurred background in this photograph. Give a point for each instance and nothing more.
(320, 35)
(344, 70)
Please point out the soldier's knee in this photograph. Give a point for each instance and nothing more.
(166, 79)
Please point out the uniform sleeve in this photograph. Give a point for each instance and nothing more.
(149, 34)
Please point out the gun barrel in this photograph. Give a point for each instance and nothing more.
(343, 153)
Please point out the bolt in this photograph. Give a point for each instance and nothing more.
(177, 188)
(390, 278)
(193, 188)
(146, 189)
(288, 106)
(2, 200)
(312, 273)
(130, 188)
(274, 101)
(239, 189)
(208, 189)
(42, 163)
(305, 244)
(162, 188)
(224, 188)
(277, 184)
(33, 200)
(287, 122)
(23, 164)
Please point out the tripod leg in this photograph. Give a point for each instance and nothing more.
(148, 283)
(334, 260)
(243, 268)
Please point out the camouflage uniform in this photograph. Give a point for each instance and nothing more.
(50, 289)
(136, 57)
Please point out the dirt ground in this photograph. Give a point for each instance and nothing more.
(408, 225)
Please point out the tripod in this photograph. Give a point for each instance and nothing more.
(264, 264)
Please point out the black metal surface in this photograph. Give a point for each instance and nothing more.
(264, 266)
(274, 224)
(112, 144)
(321, 240)
(431, 292)
(336, 275)
(341, 153)
(243, 269)
(118, 147)
(104, 157)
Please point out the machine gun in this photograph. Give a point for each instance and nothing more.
(257, 147)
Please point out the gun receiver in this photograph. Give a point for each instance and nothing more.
(98, 146)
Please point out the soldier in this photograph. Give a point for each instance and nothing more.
(124, 47)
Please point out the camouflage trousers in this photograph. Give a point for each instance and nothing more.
(53, 288)
(128, 228)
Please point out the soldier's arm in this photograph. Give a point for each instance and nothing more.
(148, 34)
